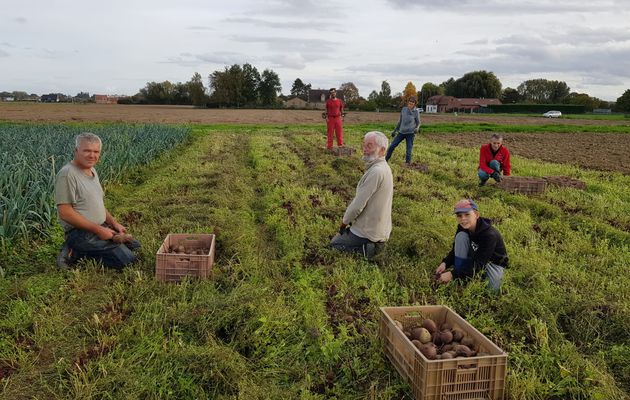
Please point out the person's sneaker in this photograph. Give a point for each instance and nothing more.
(482, 183)
(64, 258)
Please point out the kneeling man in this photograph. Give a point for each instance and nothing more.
(367, 222)
(89, 227)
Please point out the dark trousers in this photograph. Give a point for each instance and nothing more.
(85, 244)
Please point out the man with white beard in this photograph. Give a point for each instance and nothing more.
(367, 222)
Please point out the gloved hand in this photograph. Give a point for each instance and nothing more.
(394, 133)
(495, 175)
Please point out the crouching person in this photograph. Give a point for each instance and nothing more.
(367, 222)
(90, 230)
(478, 248)
(494, 157)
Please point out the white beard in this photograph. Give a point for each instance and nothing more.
(370, 157)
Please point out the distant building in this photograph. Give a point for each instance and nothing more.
(295, 102)
(105, 99)
(49, 98)
(7, 98)
(317, 98)
(441, 103)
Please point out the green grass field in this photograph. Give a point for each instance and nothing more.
(267, 326)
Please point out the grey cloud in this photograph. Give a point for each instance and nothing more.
(295, 9)
(505, 7)
(219, 57)
(200, 28)
(3, 53)
(20, 20)
(269, 24)
(478, 42)
(594, 36)
(311, 49)
(289, 61)
(605, 66)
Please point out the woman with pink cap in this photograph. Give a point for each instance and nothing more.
(478, 248)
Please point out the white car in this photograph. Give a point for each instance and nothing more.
(552, 114)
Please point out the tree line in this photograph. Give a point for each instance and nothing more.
(244, 86)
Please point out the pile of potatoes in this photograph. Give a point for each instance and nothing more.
(181, 249)
(440, 344)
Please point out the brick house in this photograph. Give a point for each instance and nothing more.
(441, 103)
(105, 99)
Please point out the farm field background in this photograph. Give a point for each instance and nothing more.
(286, 317)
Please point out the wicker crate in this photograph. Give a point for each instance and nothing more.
(480, 377)
(565, 181)
(522, 184)
(172, 267)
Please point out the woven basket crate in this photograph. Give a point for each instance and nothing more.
(522, 184)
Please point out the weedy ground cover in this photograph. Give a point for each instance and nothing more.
(286, 317)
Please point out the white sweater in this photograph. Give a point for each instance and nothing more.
(370, 212)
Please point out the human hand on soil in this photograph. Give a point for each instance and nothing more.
(441, 268)
(445, 277)
(105, 233)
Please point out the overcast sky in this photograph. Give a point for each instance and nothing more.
(116, 46)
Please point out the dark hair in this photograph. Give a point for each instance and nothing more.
(412, 98)
(331, 89)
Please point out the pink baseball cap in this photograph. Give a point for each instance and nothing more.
(464, 206)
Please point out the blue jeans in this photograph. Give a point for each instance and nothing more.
(493, 272)
(484, 176)
(85, 244)
(399, 138)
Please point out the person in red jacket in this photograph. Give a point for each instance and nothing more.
(334, 112)
(493, 158)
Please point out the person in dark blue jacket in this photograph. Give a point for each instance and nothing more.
(407, 127)
(478, 248)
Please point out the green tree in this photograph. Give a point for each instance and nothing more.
(543, 91)
(623, 102)
(300, 89)
(448, 87)
(476, 84)
(583, 99)
(158, 92)
(350, 92)
(196, 90)
(428, 90)
(251, 78)
(384, 98)
(269, 87)
(510, 95)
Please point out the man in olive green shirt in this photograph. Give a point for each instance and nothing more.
(89, 227)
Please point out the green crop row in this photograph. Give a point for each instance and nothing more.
(31, 155)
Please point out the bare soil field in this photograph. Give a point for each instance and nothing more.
(599, 151)
(66, 112)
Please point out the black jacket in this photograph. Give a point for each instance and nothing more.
(486, 245)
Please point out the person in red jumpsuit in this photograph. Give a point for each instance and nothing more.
(334, 114)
